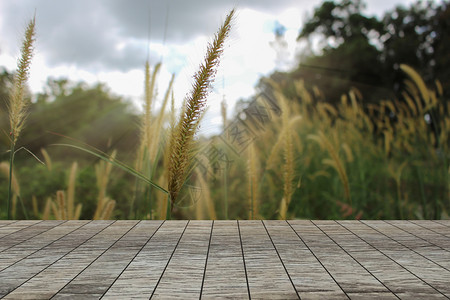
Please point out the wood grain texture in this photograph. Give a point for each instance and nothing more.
(298, 259)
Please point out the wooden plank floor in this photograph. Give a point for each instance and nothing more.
(298, 259)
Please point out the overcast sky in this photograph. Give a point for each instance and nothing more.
(108, 41)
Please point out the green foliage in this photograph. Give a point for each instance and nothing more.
(365, 52)
(361, 157)
(83, 113)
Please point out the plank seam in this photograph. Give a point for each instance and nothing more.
(404, 230)
(137, 253)
(46, 266)
(442, 223)
(243, 260)
(168, 261)
(355, 259)
(30, 236)
(279, 257)
(312, 252)
(29, 226)
(403, 267)
(206, 260)
(408, 247)
(4, 224)
(44, 246)
(418, 224)
(100, 255)
(80, 246)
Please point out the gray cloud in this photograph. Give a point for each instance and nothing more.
(87, 33)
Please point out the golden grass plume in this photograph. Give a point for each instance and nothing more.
(182, 137)
(17, 105)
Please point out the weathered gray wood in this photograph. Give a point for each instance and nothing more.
(267, 277)
(183, 276)
(23, 231)
(31, 266)
(432, 240)
(225, 273)
(224, 259)
(21, 250)
(6, 222)
(394, 276)
(420, 267)
(140, 278)
(434, 226)
(16, 226)
(107, 260)
(346, 271)
(309, 277)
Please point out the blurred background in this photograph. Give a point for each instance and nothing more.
(319, 110)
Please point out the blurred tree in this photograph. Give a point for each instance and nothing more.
(418, 36)
(90, 114)
(365, 52)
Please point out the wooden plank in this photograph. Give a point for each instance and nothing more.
(23, 249)
(429, 251)
(16, 226)
(141, 276)
(70, 266)
(310, 278)
(394, 276)
(346, 271)
(436, 227)
(266, 275)
(431, 237)
(225, 273)
(443, 222)
(100, 262)
(183, 276)
(225, 259)
(426, 270)
(19, 233)
(22, 271)
(6, 222)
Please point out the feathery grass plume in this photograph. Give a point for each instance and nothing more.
(4, 168)
(149, 95)
(102, 174)
(288, 153)
(252, 183)
(205, 200)
(35, 205)
(47, 159)
(419, 82)
(182, 137)
(146, 120)
(397, 174)
(46, 212)
(151, 134)
(348, 152)
(223, 111)
(107, 210)
(15, 187)
(17, 106)
(157, 128)
(64, 206)
(61, 200)
(335, 162)
(60, 208)
(71, 191)
(161, 198)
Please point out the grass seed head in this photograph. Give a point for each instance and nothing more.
(17, 105)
